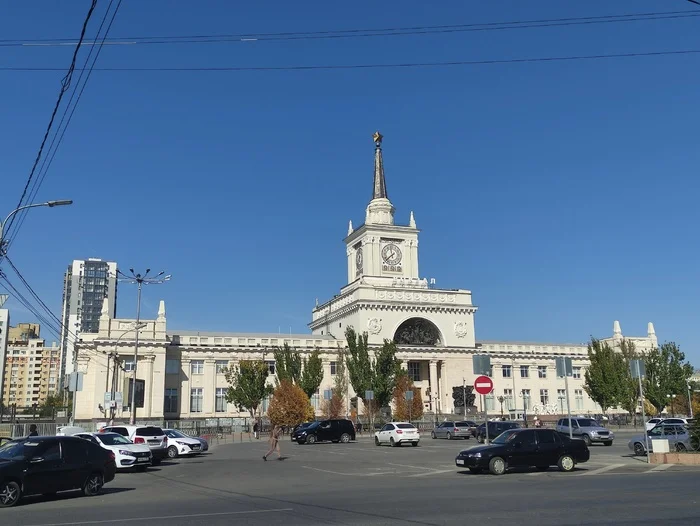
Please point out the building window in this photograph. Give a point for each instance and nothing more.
(542, 371)
(196, 399)
(490, 402)
(508, 402)
(172, 366)
(221, 366)
(578, 394)
(220, 405)
(204, 341)
(197, 367)
(129, 364)
(334, 368)
(576, 372)
(524, 371)
(561, 397)
(270, 366)
(171, 405)
(507, 371)
(527, 402)
(414, 371)
(544, 396)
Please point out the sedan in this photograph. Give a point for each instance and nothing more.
(181, 444)
(397, 433)
(127, 454)
(450, 430)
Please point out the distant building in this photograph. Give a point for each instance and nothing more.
(85, 286)
(23, 332)
(31, 372)
(4, 331)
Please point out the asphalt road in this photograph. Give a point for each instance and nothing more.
(360, 484)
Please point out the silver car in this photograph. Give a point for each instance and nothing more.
(587, 429)
(677, 436)
(450, 430)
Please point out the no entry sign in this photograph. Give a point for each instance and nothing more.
(483, 385)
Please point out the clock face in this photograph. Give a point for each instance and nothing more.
(391, 254)
(358, 259)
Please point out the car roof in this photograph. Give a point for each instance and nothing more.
(399, 422)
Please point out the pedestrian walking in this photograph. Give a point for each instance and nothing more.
(256, 428)
(32, 431)
(274, 443)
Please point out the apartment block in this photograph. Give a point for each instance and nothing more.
(31, 372)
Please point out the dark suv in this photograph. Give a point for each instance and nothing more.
(334, 430)
(495, 429)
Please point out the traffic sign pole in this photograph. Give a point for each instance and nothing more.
(484, 385)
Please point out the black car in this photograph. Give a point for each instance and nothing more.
(540, 448)
(333, 430)
(47, 465)
(495, 429)
(5, 440)
(297, 428)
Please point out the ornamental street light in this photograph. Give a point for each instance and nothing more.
(50, 204)
(690, 401)
(672, 398)
(140, 280)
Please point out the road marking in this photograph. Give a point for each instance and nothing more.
(660, 467)
(433, 472)
(166, 517)
(600, 470)
(409, 466)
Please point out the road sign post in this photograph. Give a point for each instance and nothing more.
(408, 395)
(484, 385)
(565, 369)
(638, 370)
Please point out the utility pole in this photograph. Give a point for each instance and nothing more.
(139, 280)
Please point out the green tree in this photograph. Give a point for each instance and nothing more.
(312, 374)
(287, 364)
(406, 409)
(358, 363)
(248, 385)
(628, 397)
(667, 373)
(290, 405)
(386, 368)
(340, 382)
(605, 374)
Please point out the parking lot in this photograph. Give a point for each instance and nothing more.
(360, 483)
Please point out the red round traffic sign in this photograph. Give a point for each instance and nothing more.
(483, 385)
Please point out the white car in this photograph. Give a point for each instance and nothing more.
(397, 433)
(128, 455)
(181, 444)
(651, 424)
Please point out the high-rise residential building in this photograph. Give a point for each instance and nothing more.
(85, 286)
(24, 332)
(4, 332)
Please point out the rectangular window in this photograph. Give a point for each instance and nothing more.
(414, 371)
(220, 405)
(221, 366)
(507, 371)
(172, 366)
(542, 371)
(527, 402)
(524, 371)
(490, 402)
(171, 402)
(270, 366)
(561, 398)
(578, 394)
(197, 366)
(196, 399)
(508, 395)
(576, 372)
(129, 364)
(334, 368)
(544, 396)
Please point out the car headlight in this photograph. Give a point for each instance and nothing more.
(594, 432)
(179, 442)
(126, 453)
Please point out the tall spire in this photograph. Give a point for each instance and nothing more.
(379, 181)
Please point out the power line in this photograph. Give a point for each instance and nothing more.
(48, 160)
(365, 32)
(375, 66)
(65, 85)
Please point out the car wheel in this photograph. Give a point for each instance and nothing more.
(476, 471)
(344, 438)
(639, 449)
(10, 492)
(566, 463)
(586, 439)
(680, 447)
(392, 442)
(449, 436)
(497, 466)
(311, 439)
(376, 442)
(93, 485)
(432, 435)
(608, 443)
(414, 444)
(172, 452)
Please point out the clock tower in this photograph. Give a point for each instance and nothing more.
(379, 248)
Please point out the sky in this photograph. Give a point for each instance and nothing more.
(563, 194)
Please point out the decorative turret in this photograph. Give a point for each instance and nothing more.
(651, 334)
(350, 228)
(380, 211)
(617, 334)
(412, 221)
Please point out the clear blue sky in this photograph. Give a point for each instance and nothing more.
(563, 194)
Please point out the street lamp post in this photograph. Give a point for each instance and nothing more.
(672, 398)
(115, 355)
(140, 280)
(690, 401)
(526, 397)
(50, 204)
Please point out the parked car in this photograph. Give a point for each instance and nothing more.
(397, 433)
(450, 430)
(540, 448)
(127, 454)
(333, 430)
(653, 422)
(495, 429)
(587, 429)
(181, 444)
(5, 440)
(154, 437)
(47, 465)
(677, 435)
(299, 427)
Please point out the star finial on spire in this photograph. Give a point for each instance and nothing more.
(377, 137)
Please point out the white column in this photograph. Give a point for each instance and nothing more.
(147, 375)
(185, 388)
(209, 387)
(444, 399)
(434, 391)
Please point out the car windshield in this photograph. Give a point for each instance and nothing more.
(587, 422)
(12, 450)
(505, 437)
(405, 426)
(313, 425)
(172, 433)
(113, 439)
